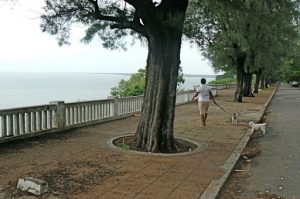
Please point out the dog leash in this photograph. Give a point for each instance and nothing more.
(223, 109)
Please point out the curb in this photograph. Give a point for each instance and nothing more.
(215, 187)
(200, 147)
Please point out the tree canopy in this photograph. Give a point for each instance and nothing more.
(248, 36)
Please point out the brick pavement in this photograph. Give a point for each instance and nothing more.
(80, 164)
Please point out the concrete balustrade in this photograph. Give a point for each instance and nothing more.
(224, 86)
(126, 105)
(17, 123)
(184, 97)
(218, 86)
(88, 111)
(26, 120)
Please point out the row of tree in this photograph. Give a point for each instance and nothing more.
(243, 36)
(247, 37)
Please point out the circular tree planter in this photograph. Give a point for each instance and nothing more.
(183, 146)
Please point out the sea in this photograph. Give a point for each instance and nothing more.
(30, 89)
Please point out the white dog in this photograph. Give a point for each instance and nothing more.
(235, 118)
(255, 127)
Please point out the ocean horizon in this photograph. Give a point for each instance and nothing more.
(19, 89)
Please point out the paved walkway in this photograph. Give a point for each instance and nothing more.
(80, 164)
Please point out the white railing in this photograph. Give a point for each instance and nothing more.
(88, 111)
(27, 120)
(223, 86)
(218, 86)
(57, 116)
(127, 105)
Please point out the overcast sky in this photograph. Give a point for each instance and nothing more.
(24, 48)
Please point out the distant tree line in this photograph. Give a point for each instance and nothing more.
(135, 86)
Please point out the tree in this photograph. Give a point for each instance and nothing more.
(293, 71)
(273, 38)
(215, 27)
(251, 36)
(160, 24)
(135, 86)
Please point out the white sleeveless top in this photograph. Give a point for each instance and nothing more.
(204, 93)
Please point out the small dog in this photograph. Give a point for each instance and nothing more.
(255, 127)
(235, 118)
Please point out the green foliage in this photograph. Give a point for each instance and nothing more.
(229, 75)
(226, 78)
(212, 25)
(222, 81)
(293, 71)
(124, 146)
(111, 21)
(180, 79)
(264, 31)
(135, 86)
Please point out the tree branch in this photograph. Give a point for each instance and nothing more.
(120, 21)
(132, 2)
(130, 25)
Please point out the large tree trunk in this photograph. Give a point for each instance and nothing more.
(155, 129)
(247, 91)
(262, 82)
(238, 95)
(247, 85)
(267, 82)
(258, 76)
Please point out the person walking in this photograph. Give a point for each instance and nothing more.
(204, 95)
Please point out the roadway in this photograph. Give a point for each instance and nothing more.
(277, 169)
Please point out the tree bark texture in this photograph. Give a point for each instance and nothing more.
(155, 129)
(238, 96)
(262, 82)
(257, 80)
(247, 79)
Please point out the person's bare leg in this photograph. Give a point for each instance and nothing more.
(206, 111)
(202, 119)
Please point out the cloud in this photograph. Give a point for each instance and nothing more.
(25, 48)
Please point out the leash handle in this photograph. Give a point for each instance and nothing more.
(222, 108)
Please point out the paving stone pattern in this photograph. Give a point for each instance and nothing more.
(80, 164)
